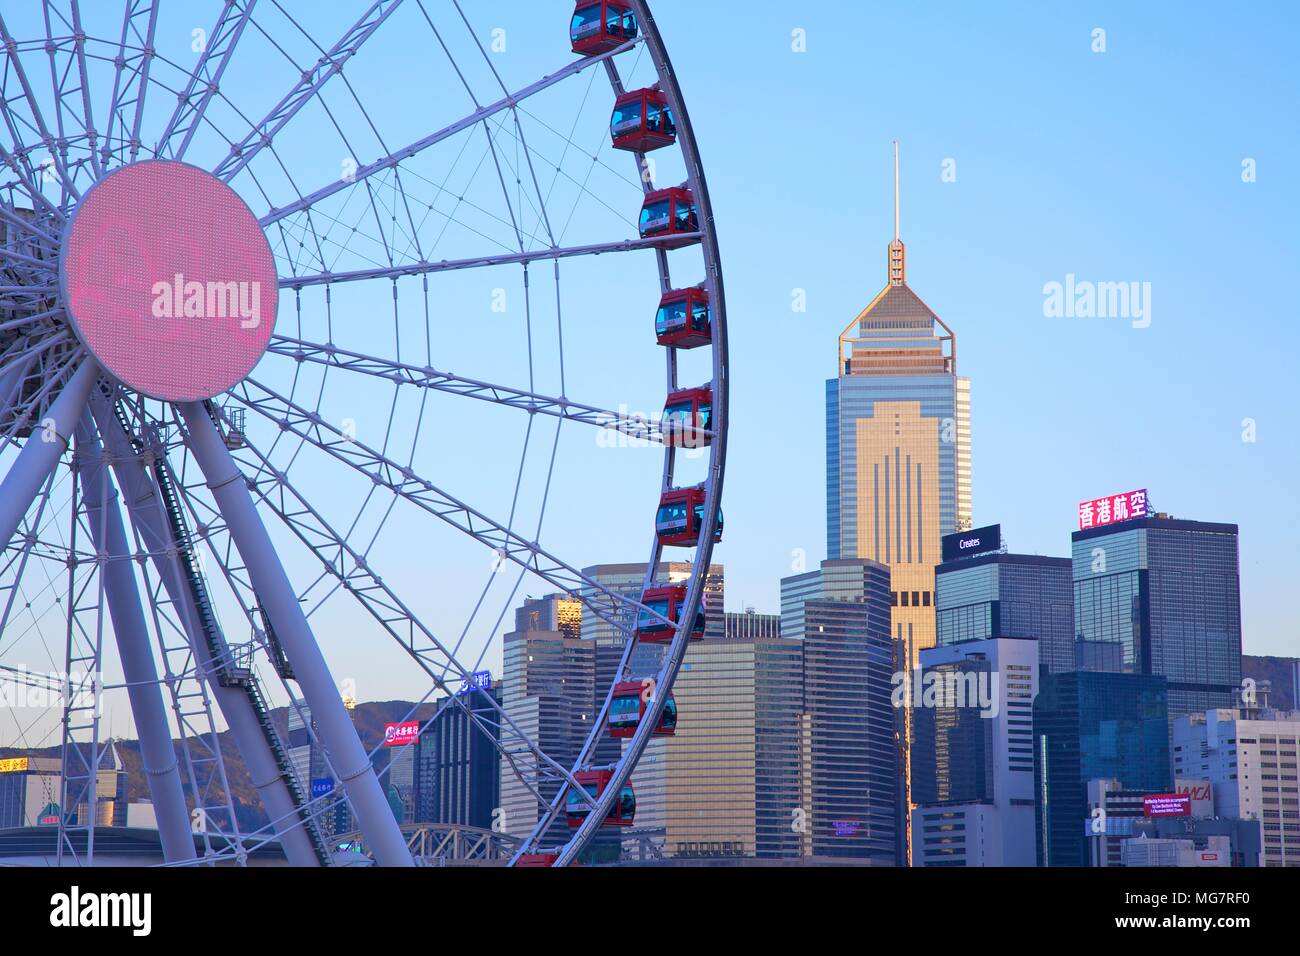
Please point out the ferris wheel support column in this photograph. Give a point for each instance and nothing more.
(334, 727)
(161, 769)
(147, 518)
(42, 451)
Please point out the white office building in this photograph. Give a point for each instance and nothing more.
(972, 754)
(1250, 756)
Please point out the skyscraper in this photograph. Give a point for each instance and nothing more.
(973, 763)
(548, 689)
(996, 594)
(898, 445)
(1090, 725)
(840, 613)
(457, 765)
(1163, 596)
(898, 453)
(728, 783)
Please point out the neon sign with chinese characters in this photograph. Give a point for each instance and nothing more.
(1112, 509)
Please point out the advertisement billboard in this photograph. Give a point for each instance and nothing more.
(401, 734)
(976, 541)
(1112, 509)
(1167, 805)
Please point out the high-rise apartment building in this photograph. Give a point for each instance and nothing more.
(973, 754)
(1162, 596)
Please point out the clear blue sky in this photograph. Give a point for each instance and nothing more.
(1117, 166)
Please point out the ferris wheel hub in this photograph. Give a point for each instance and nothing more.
(169, 281)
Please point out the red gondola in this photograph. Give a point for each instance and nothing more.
(670, 215)
(642, 121)
(628, 707)
(537, 859)
(683, 320)
(666, 602)
(599, 26)
(595, 782)
(681, 515)
(688, 414)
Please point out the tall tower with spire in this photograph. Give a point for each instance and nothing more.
(898, 449)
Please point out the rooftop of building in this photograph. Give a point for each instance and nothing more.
(1004, 557)
(1162, 521)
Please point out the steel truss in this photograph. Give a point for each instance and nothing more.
(135, 501)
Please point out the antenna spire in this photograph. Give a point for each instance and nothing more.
(897, 256)
(896, 235)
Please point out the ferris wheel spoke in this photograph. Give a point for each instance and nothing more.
(63, 17)
(506, 258)
(354, 574)
(480, 115)
(56, 149)
(540, 209)
(401, 480)
(17, 564)
(402, 373)
(205, 80)
(308, 86)
(131, 76)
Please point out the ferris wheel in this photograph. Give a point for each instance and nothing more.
(315, 326)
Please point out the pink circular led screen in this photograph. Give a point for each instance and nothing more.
(169, 280)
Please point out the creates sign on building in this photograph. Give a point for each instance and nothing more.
(1167, 805)
(13, 765)
(401, 734)
(977, 541)
(1112, 509)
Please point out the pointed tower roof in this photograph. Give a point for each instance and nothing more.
(897, 333)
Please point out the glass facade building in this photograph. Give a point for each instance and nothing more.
(457, 765)
(840, 613)
(1009, 595)
(898, 448)
(1160, 595)
(898, 465)
(728, 783)
(1090, 725)
(548, 688)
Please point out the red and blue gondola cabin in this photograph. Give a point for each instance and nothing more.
(687, 418)
(642, 121)
(670, 215)
(683, 320)
(599, 26)
(594, 782)
(628, 707)
(666, 604)
(681, 516)
(537, 859)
